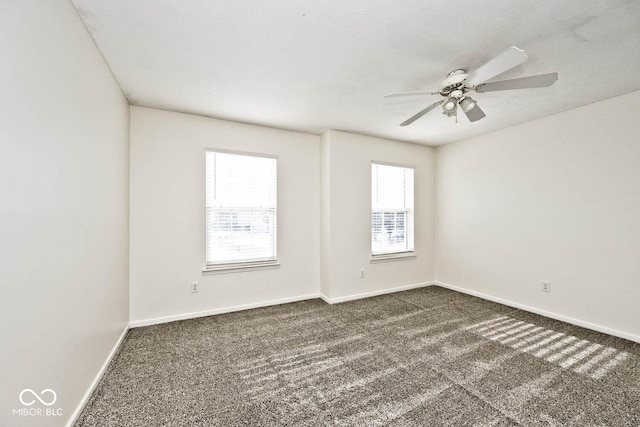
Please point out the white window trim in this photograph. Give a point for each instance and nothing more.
(241, 153)
(240, 266)
(395, 256)
(237, 267)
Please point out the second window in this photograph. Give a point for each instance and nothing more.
(391, 210)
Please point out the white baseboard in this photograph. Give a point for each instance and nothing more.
(87, 395)
(552, 315)
(374, 293)
(195, 314)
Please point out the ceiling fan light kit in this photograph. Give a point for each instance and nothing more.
(450, 106)
(467, 103)
(455, 88)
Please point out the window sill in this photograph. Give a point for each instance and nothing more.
(238, 268)
(392, 257)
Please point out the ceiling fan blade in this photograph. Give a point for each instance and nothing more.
(474, 114)
(420, 113)
(541, 80)
(505, 61)
(392, 95)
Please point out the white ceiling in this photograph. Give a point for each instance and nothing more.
(313, 65)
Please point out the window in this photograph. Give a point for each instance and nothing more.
(241, 211)
(391, 210)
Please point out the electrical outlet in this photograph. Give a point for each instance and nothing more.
(362, 273)
(195, 287)
(546, 286)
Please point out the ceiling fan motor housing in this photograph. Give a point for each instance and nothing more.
(455, 80)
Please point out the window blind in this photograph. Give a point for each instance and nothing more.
(392, 213)
(241, 209)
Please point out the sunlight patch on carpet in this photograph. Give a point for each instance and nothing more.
(592, 359)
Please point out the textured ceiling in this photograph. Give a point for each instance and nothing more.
(313, 65)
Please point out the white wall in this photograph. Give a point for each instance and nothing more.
(553, 199)
(167, 215)
(63, 208)
(347, 215)
(325, 216)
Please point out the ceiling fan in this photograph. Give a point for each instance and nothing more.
(460, 83)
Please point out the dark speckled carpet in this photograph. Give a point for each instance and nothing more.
(425, 357)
